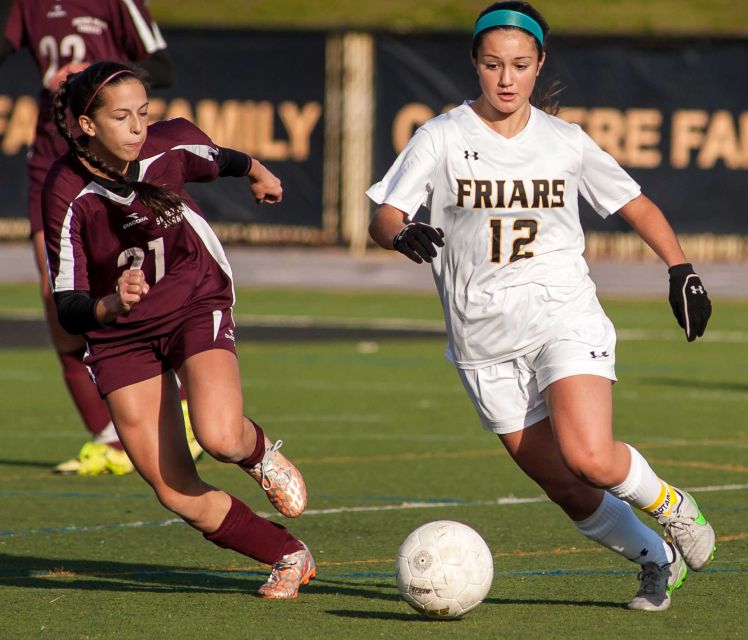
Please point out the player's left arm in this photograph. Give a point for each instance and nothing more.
(7, 48)
(160, 69)
(688, 298)
(142, 41)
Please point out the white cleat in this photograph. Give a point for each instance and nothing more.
(691, 532)
(657, 583)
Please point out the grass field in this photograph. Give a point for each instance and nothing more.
(566, 16)
(387, 440)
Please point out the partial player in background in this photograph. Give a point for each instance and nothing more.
(65, 37)
(529, 338)
(136, 269)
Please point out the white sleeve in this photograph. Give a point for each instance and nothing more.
(410, 180)
(602, 181)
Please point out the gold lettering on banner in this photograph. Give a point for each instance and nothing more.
(179, 108)
(608, 128)
(722, 143)
(687, 134)
(222, 122)
(632, 137)
(6, 105)
(299, 123)
(410, 117)
(643, 138)
(266, 146)
(21, 126)
(156, 109)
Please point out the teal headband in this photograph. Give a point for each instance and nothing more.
(507, 18)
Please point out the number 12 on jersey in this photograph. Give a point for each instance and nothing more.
(526, 228)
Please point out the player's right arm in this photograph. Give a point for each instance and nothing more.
(404, 189)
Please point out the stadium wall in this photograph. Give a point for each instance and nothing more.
(329, 111)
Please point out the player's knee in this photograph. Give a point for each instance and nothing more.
(594, 468)
(224, 443)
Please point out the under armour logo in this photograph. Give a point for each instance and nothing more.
(469, 154)
(603, 354)
(643, 553)
(696, 289)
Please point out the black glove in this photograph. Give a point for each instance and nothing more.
(689, 301)
(416, 241)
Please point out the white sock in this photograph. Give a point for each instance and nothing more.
(615, 526)
(108, 435)
(643, 489)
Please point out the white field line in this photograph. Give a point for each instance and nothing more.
(403, 506)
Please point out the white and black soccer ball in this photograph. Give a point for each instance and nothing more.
(444, 569)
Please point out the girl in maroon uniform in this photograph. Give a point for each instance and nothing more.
(63, 38)
(136, 269)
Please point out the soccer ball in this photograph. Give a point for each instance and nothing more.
(444, 569)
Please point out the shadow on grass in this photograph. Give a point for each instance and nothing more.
(29, 572)
(415, 617)
(28, 463)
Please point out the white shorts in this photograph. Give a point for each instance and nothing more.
(508, 395)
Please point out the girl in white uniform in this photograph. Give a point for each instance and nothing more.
(531, 343)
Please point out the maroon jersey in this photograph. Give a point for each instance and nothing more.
(94, 229)
(64, 31)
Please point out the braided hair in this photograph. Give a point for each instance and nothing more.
(82, 93)
(544, 95)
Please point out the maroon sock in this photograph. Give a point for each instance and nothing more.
(252, 535)
(259, 452)
(86, 397)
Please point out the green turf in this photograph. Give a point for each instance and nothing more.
(371, 426)
(592, 16)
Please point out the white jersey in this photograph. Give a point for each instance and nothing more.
(511, 269)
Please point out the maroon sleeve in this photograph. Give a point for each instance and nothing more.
(62, 218)
(137, 32)
(14, 30)
(198, 154)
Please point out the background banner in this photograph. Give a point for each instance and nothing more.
(672, 112)
(258, 92)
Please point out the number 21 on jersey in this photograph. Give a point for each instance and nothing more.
(525, 230)
(138, 257)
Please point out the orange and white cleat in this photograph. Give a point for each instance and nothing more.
(281, 481)
(288, 574)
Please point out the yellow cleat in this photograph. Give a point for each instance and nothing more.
(97, 459)
(194, 446)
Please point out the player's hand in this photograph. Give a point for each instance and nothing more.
(131, 288)
(418, 241)
(688, 298)
(53, 84)
(263, 184)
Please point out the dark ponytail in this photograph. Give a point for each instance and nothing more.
(545, 94)
(82, 94)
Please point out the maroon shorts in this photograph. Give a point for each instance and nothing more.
(119, 365)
